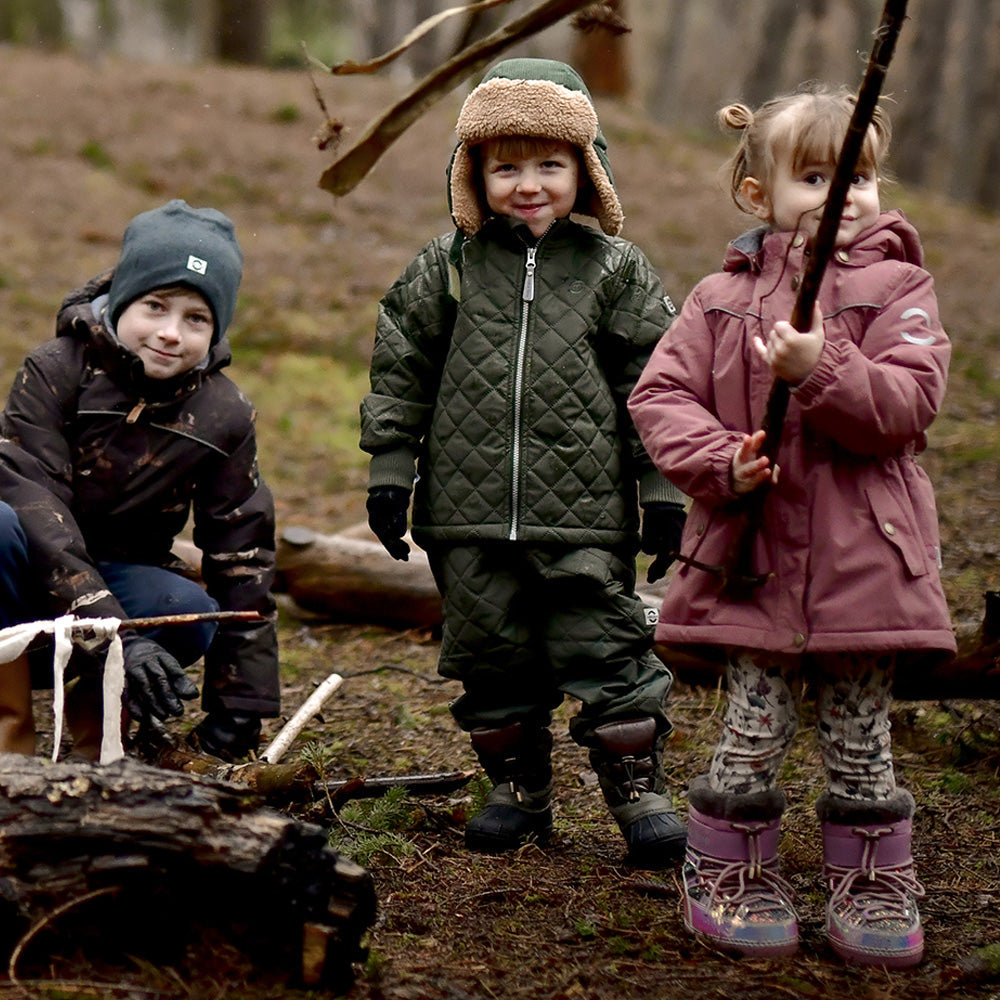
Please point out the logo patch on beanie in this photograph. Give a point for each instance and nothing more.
(197, 265)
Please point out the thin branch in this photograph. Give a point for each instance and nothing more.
(373, 65)
(49, 917)
(156, 621)
(310, 707)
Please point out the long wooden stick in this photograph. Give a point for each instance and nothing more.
(156, 621)
(740, 580)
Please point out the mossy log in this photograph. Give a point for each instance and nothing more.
(149, 859)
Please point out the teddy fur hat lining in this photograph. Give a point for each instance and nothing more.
(539, 109)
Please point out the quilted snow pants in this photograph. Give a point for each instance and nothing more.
(526, 625)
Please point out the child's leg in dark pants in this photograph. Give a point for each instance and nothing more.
(17, 729)
(151, 591)
(509, 692)
(525, 625)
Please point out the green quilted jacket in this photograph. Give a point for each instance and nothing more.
(500, 374)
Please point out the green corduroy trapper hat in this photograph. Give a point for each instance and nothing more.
(539, 98)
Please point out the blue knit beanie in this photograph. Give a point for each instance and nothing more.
(179, 245)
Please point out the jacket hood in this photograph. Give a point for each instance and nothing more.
(892, 237)
(81, 315)
(539, 98)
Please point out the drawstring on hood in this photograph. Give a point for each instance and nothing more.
(536, 98)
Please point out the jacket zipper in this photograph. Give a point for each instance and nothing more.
(527, 297)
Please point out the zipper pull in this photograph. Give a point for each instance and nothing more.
(528, 293)
(133, 415)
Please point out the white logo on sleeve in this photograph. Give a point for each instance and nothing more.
(200, 266)
(912, 338)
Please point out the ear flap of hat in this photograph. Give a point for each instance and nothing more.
(466, 208)
(604, 204)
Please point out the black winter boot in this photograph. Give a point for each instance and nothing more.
(518, 760)
(228, 736)
(630, 771)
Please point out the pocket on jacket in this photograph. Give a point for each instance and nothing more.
(897, 524)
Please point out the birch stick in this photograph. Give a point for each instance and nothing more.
(280, 744)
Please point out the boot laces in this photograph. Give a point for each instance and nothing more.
(752, 884)
(869, 894)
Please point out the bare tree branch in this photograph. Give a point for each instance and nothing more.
(345, 173)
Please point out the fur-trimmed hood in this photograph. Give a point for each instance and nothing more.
(540, 98)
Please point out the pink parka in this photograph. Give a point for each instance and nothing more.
(849, 533)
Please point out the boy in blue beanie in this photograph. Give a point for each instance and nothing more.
(113, 434)
(503, 358)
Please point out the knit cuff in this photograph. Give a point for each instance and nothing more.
(656, 488)
(393, 468)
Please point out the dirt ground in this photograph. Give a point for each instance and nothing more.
(86, 145)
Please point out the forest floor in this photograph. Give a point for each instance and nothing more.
(83, 147)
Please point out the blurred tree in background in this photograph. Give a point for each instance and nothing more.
(681, 60)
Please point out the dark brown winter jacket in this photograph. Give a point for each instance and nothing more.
(102, 463)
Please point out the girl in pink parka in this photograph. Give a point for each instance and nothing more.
(848, 546)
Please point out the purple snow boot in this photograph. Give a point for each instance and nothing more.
(733, 895)
(871, 914)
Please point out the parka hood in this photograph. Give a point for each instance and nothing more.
(539, 98)
(892, 237)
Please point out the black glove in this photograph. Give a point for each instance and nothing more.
(154, 681)
(662, 527)
(387, 507)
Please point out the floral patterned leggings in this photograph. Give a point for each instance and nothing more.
(853, 695)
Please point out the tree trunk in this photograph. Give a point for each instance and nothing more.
(918, 146)
(142, 860)
(242, 31)
(764, 80)
(665, 105)
(599, 52)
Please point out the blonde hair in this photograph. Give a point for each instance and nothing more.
(807, 126)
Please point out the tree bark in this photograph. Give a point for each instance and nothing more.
(140, 857)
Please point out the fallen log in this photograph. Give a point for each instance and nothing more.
(145, 860)
(972, 673)
(355, 579)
